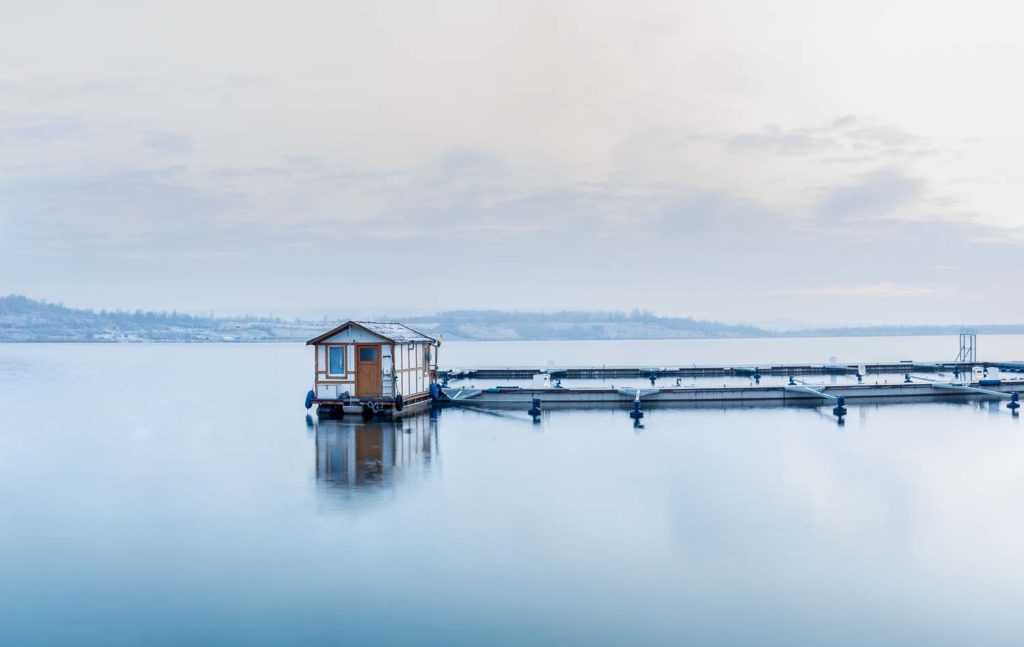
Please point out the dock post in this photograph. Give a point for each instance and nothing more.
(840, 409)
(1014, 405)
(636, 413)
(535, 410)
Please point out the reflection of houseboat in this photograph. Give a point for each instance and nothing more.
(373, 453)
(372, 368)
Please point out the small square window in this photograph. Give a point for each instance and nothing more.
(368, 354)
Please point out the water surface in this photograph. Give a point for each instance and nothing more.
(170, 494)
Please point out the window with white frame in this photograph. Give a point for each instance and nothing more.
(336, 360)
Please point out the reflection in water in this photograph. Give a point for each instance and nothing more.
(360, 455)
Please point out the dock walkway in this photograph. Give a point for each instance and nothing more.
(675, 370)
(918, 381)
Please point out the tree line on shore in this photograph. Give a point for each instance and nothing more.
(24, 319)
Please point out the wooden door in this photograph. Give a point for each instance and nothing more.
(368, 382)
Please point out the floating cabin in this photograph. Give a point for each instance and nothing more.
(372, 368)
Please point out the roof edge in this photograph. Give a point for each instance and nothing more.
(337, 329)
(330, 333)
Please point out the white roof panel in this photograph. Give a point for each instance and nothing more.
(394, 331)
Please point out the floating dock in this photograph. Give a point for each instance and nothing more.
(736, 370)
(806, 384)
(806, 392)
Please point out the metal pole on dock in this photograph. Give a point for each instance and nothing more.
(838, 411)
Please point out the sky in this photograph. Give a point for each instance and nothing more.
(751, 161)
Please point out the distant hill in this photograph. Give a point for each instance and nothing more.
(495, 325)
(898, 331)
(26, 320)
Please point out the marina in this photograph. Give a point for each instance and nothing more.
(388, 370)
(970, 382)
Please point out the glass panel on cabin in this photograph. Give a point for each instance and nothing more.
(336, 360)
(368, 354)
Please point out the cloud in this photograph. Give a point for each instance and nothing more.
(19, 129)
(678, 156)
(883, 290)
(785, 142)
(104, 213)
(64, 90)
(169, 143)
(876, 195)
(849, 139)
(42, 147)
(495, 228)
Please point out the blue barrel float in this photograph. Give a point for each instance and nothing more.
(636, 413)
(534, 409)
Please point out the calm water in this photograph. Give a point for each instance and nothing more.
(170, 494)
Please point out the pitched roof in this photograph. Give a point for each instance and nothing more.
(394, 332)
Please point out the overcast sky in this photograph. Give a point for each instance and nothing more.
(825, 162)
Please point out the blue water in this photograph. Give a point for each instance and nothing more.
(170, 494)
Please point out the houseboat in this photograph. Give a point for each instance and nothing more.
(373, 369)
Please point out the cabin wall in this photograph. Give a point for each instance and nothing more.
(403, 366)
(412, 370)
(334, 387)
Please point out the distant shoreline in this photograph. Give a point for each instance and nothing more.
(252, 342)
(25, 320)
